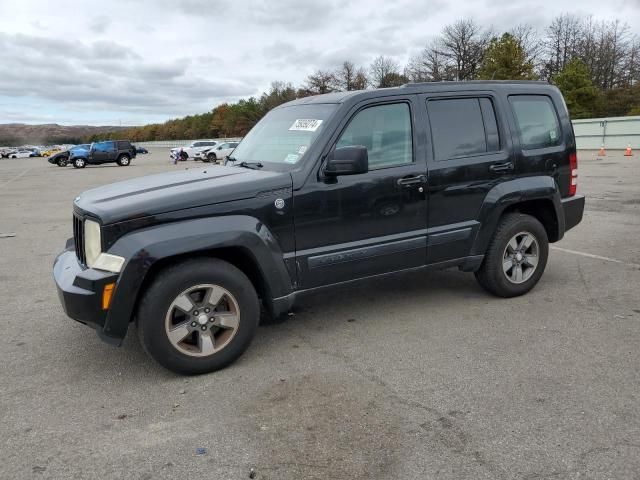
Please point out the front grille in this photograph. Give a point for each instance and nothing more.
(78, 238)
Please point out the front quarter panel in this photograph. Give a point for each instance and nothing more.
(143, 248)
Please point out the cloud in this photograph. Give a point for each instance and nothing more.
(106, 75)
(100, 24)
(149, 60)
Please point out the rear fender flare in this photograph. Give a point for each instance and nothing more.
(508, 194)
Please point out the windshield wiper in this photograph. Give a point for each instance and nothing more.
(251, 165)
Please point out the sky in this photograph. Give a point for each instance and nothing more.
(133, 62)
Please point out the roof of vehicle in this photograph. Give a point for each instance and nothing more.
(423, 87)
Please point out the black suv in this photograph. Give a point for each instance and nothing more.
(110, 151)
(326, 190)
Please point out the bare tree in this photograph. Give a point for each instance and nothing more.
(349, 77)
(463, 44)
(529, 40)
(430, 65)
(322, 81)
(562, 43)
(381, 69)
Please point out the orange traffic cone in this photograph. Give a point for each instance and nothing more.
(627, 152)
(601, 152)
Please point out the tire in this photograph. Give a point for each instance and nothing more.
(184, 156)
(212, 158)
(499, 273)
(79, 163)
(62, 162)
(158, 315)
(123, 160)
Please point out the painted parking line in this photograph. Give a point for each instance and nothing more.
(16, 177)
(597, 257)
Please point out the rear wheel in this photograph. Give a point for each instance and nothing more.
(124, 160)
(62, 162)
(516, 257)
(198, 316)
(79, 163)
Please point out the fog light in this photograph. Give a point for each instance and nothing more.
(107, 294)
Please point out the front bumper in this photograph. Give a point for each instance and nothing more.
(80, 291)
(573, 208)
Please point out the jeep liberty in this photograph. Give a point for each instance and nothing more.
(325, 190)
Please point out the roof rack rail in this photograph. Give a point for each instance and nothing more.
(459, 82)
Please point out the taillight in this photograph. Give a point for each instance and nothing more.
(573, 178)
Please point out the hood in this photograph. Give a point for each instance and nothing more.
(171, 191)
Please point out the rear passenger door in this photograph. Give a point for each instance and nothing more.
(468, 156)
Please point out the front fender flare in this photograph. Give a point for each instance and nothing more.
(145, 247)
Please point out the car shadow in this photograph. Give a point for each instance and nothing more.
(347, 303)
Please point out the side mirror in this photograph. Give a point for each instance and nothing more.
(347, 161)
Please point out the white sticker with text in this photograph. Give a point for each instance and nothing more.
(306, 125)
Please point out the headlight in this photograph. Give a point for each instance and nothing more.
(93, 250)
(92, 242)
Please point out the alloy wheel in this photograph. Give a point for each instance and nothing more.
(520, 257)
(202, 320)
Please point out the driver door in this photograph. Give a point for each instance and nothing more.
(360, 225)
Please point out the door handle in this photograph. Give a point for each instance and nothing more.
(405, 181)
(501, 167)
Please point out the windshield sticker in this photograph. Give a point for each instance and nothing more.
(291, 158)
(305, 125)
(302, 149)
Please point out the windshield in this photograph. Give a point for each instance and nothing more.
(284, 134)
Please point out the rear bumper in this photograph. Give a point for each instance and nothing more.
(80, 292)
(573, 208)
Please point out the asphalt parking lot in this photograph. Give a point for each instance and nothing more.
(414, 376)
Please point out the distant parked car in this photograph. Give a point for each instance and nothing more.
(217, 153)
(195, 147)
(110, 151)
(51, 151)
(22, 153)
(62, 158)
(141, 150)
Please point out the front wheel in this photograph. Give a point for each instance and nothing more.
(212, 158)
(198, 316)
(62, 162)
(79, 163)
(123, 160)
(516, 257)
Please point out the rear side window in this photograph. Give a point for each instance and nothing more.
(462, 127)
(386, 132)
(537, 121)
(123, 145)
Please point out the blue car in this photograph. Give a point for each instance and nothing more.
(62, 158)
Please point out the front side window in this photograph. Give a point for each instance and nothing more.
(284, 134)
(104, 146)
(537, 121)
(386, 132)
(462, 127)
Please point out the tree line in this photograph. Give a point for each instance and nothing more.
(595, 63)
